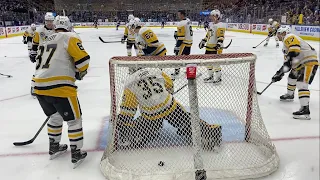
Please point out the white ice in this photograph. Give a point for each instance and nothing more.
(297, 141)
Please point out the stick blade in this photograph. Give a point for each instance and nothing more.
(254, 47)
(23, 143)
(259, 93)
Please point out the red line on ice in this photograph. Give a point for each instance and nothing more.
(97, 149)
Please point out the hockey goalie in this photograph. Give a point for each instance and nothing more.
(150, 90)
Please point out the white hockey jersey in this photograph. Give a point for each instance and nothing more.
(214, 35)
(41, 34)
(184, 32)
(307, 54)
(148, 43)
(148, 89)
(272, 28)
(59, 57)
(129, 34)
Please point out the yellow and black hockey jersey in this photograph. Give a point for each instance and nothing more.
(273, 28)
(59, 57)
(29, 33)
(150, 90)
(215, 35)
(149, 44)
(130, 35)
(184, 33)
(304, 54)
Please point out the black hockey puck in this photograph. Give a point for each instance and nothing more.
(161, 163)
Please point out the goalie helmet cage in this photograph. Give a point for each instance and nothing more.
(246, 150)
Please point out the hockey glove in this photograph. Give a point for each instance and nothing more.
(270, 34)
(32, 56)
(123, 40)
(79, 75)
(176, 50)
(218, 46)
(278, 76)
(24, 41)
(175, 35)
(202, 43)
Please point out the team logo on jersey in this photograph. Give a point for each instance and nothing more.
(42, 35)
(80, 46)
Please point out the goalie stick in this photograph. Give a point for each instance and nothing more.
(35, 136)
(259, 93)
(109, 41)
(8, 76)
(260, 43)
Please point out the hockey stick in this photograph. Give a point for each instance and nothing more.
(185, 85)
(109, 41)
(226, 47)
(35, 136)
(260, 43)
(8, 76)
(259, 93)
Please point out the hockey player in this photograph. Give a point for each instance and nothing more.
(130, 35)
(302, 62)
(147, 41)
(206, 25)
(95, 23)
(272, 28)
(41, 34)
(151, 90)
(184, 37)
(118, 25)
(62, 60)
(213, 42)
(28, 36)
(39, 37)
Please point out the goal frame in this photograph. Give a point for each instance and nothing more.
(181, 62)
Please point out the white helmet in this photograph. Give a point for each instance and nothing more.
(135, 23)
(270, 20)
(130, 17)
(284, 29)
(62, 22)
(33, 26)
(215, 12)
(49, 16)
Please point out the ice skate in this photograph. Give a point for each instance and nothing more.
(303, 113)
(77, 156)
(56, 149)
(287, 97)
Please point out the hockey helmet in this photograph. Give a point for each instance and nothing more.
(33, 26)
(284, 29)
(135, 23)
(270, 21)
(130, 17)
(49, 17)
(216, 13)
(62, 22)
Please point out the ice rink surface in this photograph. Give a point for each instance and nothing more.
(297, 141)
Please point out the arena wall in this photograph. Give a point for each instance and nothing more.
(305, 32)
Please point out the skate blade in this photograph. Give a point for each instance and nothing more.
(75, 165)
(302, 117)
(286, 100)
(54, 156)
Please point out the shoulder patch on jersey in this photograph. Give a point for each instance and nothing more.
(79, 44)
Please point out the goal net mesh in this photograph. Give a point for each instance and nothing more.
(160, 132)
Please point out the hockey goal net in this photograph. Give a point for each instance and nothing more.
(159, 147)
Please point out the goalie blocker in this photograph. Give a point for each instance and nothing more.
(151, 90)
